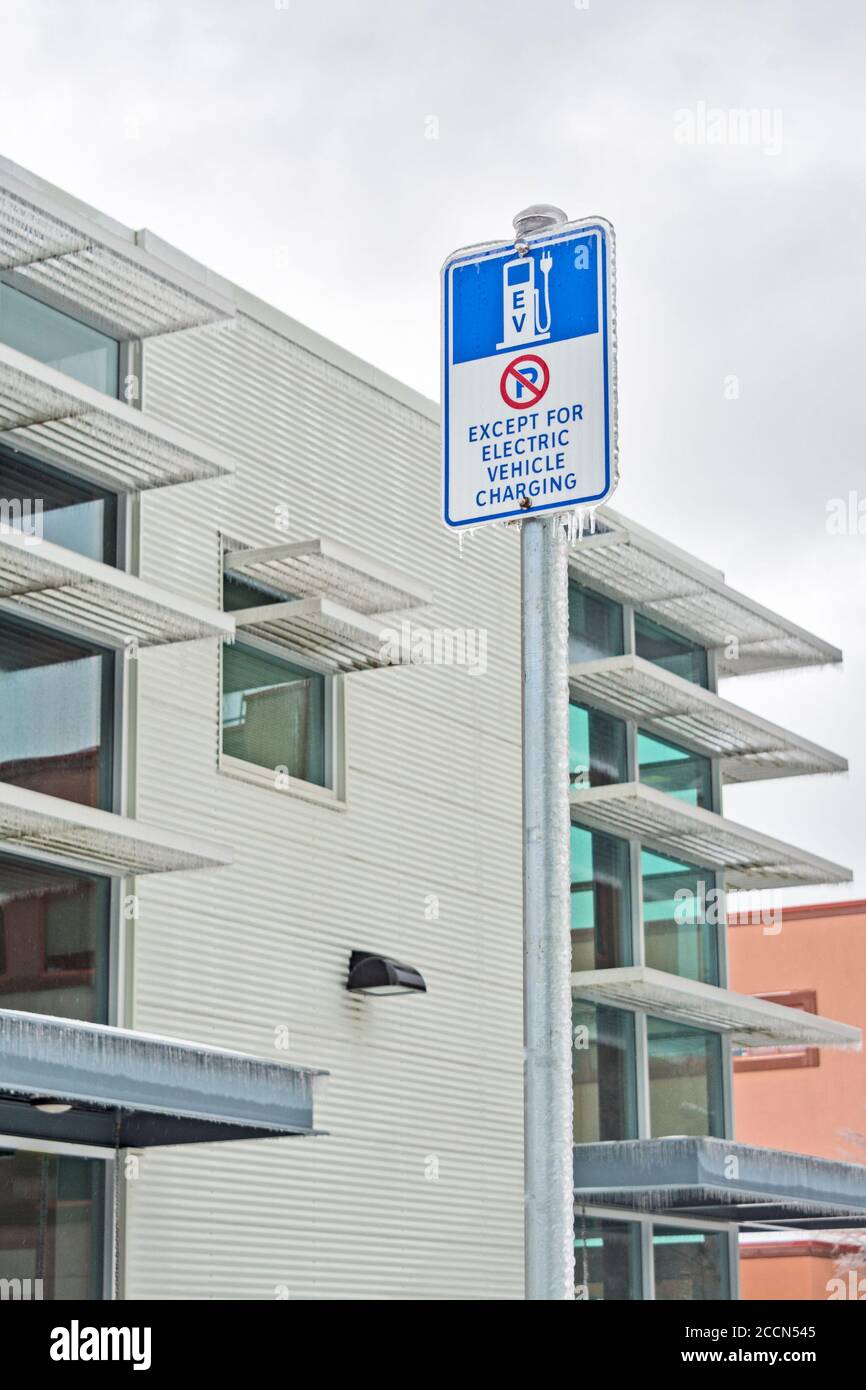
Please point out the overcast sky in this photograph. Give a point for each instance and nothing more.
(327, 156)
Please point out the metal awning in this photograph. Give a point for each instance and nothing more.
(80, 261)
(97, 600)
(717, 1179)
(98, 840)
(134, 1090)
(631, 565)
(748, 747)
(53, 418)
(750, 859)
(749, 1021)
(322, 568)
(336, 638)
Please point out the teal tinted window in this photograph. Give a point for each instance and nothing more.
(607, 1259)
(41, 502)
(600, 901)
(596, 748)
(54, 925)
(670, 651)
(273, 714)
(674, 770)
(51, 1226)
(681, 918)
(239, 594)
(54, 338)
(691, 1265)
(57, 724)
(603, 1073)
(594, 625)
(685, 1080)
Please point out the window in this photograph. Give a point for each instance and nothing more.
(674, 770)
(51, 1225)
(600, 901)
(58, 340)
(55, 932)
(57, 698)
(594, 626)
(42, 502)
(685, 1080)
(682, 913)
(670, 651)
(596, 748)
(607, 1259)
(603, 1073)
(240, 593)
(274, 714)
(782, 1058)
(691, 1265)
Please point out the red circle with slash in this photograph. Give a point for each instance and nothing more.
(515, 378)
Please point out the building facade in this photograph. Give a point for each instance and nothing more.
(661, 1185)
(222, 804)
(260, 716)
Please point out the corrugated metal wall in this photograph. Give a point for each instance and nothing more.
(433, 808)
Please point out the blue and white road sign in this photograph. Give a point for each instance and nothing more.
(528, 385)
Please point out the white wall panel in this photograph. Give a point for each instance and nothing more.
(433, 808)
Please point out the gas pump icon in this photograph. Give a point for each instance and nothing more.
(521, 301)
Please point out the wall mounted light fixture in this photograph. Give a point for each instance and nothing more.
(372, 974)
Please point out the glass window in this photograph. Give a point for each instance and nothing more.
(690, 1265)
(54, 925)
(600, 901)
(57, 699)
(596, 748)
(239, 593)
(675, 771)
(781, 1058)
(594, 625)
(51, 1226)
(603, 1073)
(273, 714)
(682, 912)
(670, 651)
(58, 340)
(39, 501)
(685, 1080)
(607, 1259)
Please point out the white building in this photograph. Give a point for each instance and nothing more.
(214, 789)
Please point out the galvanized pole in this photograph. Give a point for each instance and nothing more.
(546, 886)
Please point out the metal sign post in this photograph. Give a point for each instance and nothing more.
(548, 1180)
(548, 1096)
(529, 431)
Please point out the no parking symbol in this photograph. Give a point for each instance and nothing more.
(524, 381)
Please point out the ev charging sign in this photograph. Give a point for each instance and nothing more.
(529, 388)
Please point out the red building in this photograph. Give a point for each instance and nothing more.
(804, 1100)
